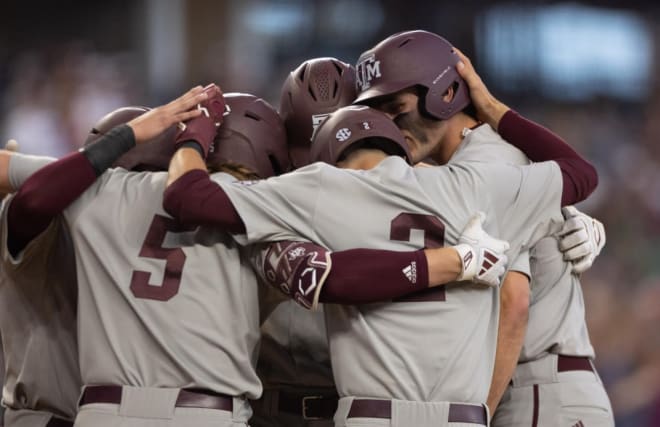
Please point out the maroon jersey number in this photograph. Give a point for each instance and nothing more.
(174, 257)
(434, 237)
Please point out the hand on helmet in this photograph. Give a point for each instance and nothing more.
(482, 256)
(158, 120)
(203, 127)
(580, 239)
(489, 109)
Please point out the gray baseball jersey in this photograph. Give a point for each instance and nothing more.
(556, 313)
(407, 350)
(556, 326)
(37, 318)
(159, 305)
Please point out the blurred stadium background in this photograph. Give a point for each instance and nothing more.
(588, 70)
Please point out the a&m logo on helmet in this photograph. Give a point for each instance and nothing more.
(367, 69)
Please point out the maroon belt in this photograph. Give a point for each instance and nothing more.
(458, 412)
(186, 399)
(59, 422)
(573, 363)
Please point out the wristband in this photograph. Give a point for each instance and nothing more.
(194, 145)
(103, 152)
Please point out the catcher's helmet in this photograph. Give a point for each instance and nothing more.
(413, 58)
(356, 126)
(251, 135)
(313, 90)
(151, 155)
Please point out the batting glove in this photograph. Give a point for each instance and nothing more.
(202, 129)
(581, 239)
(482, 256)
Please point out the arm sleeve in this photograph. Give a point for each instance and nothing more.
(309, 273)
(540, 144)
(45, 195)
(279, 208)
(194, 199)
(22, 166)
(361, 276)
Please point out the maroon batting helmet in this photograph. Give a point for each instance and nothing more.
(356, 126)
(252, 135)
(150, 155)
(413, 58)
(313, 90)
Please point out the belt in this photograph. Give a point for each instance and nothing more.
(59, 422)
(310, 407)
(458, 412)
(188, 398)
(573, 363)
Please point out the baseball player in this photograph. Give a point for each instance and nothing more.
(294, 361)
(376, 356)
(556, 339)
(37, 319)
(204, 375)
(156, 344)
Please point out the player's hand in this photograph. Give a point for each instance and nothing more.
(482, 256)
(203, 128)
(158, 120)
(581, 239)
(489, 109)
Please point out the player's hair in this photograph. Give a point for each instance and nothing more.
(238, 171)
(385, 145)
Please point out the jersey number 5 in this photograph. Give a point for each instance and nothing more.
(174, 257)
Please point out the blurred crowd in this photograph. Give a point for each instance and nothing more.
(50, 98)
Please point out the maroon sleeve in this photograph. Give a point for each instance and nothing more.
(362, 276)
(44, 196)
(354, 276)
(193, 199)
(540, 144)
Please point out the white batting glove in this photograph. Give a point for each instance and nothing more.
(482, 256)
(581, 239)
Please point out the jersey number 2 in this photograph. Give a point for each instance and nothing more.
(174, 257)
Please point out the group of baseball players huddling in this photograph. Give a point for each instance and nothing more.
(215, 262)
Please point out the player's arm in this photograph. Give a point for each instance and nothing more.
(50, 190)
(309, 273)
(538, 143)
(514, 310)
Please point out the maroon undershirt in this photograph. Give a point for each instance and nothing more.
(540, 144)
